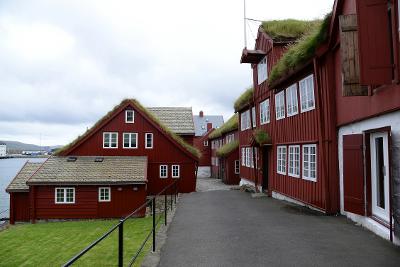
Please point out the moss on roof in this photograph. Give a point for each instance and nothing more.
(289, 29)
(262, 137)
(302, 51)
(226, 149)
(244, 99)
(230, 125)
(191, 149)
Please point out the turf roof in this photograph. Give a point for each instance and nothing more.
(230, 125)
(301, 52)
(226, 149)
(289, 29)
(244, 99)
(262, 137)
(191, 149)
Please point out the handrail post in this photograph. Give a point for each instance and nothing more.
(175, 187)
(154, 224)
(171, 200)
(121, 243)
(165, 208)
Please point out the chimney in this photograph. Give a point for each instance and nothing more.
(209, 126)
(201, 114)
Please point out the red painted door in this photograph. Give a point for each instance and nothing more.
(353, 174)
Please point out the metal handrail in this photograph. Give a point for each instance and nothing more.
(120, 224)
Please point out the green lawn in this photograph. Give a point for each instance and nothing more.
(52, 244)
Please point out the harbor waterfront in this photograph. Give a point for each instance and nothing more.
(8, 169)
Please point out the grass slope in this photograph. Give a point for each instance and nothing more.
(230, 125)
(244, 99)
(52, 244)
(288, 28)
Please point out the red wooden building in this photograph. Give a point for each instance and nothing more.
(332, 115)
(225, 152)
(109, 170)
(204, 124)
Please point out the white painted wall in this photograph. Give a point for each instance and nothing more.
(392, 120)
(204, 172)
(3, 150)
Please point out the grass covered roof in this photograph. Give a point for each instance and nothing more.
(226, 149)
(301, 52)
(244, 99)
(191, 149)
(289, 29)
(231, 125)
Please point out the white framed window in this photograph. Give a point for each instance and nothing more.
(294, 161)
(130, 140)
(307, 101)
(104, 194)
(205, 143)
(65, 195)
(310, 162)
(176, 172)
(280, 105)
(281, 162)
(262, 70)
(291, 100)
(264, 112)
(148, 140)
(247, 157)
(129, 116)
(243, 156)
(237, 166)
(245, 120)
(163, 171)
(110, 140)
(253, 115)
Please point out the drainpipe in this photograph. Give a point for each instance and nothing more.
(253, 148)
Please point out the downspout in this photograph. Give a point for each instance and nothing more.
(253, 148)
(321, 138)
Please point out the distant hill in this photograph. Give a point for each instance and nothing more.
(18, 147)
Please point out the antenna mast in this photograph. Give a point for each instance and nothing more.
(244, 23)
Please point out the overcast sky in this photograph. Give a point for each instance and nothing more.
(64, 64)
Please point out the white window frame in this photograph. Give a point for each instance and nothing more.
(292, 106)
(109, 194)
(130, 141)
(262, 70)
(110, 138)
(205, 143)
(245, 123)
(178, 169)
(146, 145)
(243, 156)
(264, 112)
(237, 167)
(166, 171)
(280, 105)
(65, 195)
(306, 164)
(307, 92)
(126, 116)
(253, 116)
(280, 159)
(294, 163)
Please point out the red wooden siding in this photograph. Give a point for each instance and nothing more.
(230, 177)
(164, 151)
(353, 173)
(19, 207)
(205, 159)
(124, 199)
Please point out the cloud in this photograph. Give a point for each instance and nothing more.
(66, 63)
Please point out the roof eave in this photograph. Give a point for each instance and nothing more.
(252, 56)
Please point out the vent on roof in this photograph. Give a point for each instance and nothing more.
(71, 159)
(98, 159)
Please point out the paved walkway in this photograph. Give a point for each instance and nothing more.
(210, 184)
(229, 228)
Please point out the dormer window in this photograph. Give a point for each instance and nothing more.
(262, 70)
(129, 116)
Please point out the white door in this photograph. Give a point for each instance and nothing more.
(380, 175)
